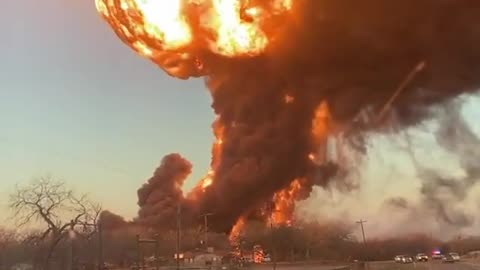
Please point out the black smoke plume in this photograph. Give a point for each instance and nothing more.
(110, 221)
(353, 55)
(161, 196)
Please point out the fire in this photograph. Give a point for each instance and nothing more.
(182, 27)
(207, 180)
(258, 254)
(283, 4)
(235, 35)
(289, 99)
(285, 203)
(237, 230)
(321, 122)
(321, 129)
(164, 21)
(218, 130)
(217, 149)
(146, 20)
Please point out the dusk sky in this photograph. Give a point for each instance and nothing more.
(77, 103)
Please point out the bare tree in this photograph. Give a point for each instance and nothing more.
(49, 202)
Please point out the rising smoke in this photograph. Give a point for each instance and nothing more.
(427, 185)
(351, 54)
(159, 198)
(443, 194)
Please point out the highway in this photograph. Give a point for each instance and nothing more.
(311, 266)
(433, 265)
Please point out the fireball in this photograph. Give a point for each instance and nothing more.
(176, 33)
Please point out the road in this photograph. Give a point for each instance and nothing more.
(313, 266)
(434, 265)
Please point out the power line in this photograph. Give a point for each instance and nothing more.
(363, 230)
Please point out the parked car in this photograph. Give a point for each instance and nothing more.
(398, 258)
(403, 259)
(448, 259)
(421, 257)
(455, 256)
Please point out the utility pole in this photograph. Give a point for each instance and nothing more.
(274, 256)
(71, 235)
(179, 212)
(363, 231)
(156, 243)
(140, 261)
(157, 251)
(97, 227)
(205, 219)
(100, 246)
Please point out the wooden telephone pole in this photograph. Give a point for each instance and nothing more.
(205, 219)
(363, 230)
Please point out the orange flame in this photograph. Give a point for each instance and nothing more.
(146, 20)
(217, 149)
(321, 129)
(218, 130)
(237, 230)
(207, 180)
(258, 254)
(285, 203)
(234, 27)
(235, 35)
(289, 99)
(321, 121)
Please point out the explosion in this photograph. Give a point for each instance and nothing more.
(289, 79)
(175, 33)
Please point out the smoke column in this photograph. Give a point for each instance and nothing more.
(444, 194)
(350, 54)
(160, 197)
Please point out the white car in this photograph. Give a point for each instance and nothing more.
(455, 256)
(421, 257)
(403, 259)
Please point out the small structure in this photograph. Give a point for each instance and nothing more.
(207, 259)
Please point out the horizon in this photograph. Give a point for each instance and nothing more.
(83, 107)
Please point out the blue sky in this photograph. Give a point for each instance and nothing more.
(78, 104)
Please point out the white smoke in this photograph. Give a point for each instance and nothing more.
(397, 195)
